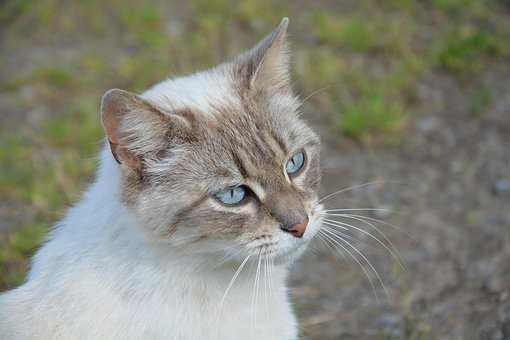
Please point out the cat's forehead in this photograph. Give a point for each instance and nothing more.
(201, 92)
(218, 100)
(216, 91)
(239, 134)
(255, 145)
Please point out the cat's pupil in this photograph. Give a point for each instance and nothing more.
(231, 196)
(295, 163)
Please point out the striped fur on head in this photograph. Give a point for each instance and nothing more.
(187, 138)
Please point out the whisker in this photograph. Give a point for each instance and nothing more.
(347, 236)
(236, 274)
(353, 187)
(255, 292)
(382, 222)
(305, 100)
(329, 245)
(392, 249)
(364, 258)
(334, 243)
(327, 220)
(227, 257)
(266, 304)
(271, 269)
(358, 209)
(230, 284)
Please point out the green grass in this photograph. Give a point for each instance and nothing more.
(382, 47)
(481, 100)
(371, 114)
(467, 49)
(57, 76)
(347, 32)
(458, 6)
(17, 247)
(44, 172)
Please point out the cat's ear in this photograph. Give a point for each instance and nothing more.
(135, 128)
(266, 66)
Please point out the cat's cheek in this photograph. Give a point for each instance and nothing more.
(310, 203)
(239, 221)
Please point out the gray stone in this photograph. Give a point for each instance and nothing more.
(501, 187)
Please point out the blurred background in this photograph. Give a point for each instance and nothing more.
(411, 96)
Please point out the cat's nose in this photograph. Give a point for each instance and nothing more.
(297, 229)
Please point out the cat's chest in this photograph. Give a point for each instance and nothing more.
(201, 317)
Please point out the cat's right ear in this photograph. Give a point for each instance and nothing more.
(136, 129)
(266, 67)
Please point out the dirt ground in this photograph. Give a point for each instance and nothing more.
(449, 184)
(445, 183)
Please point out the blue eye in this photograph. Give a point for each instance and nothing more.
(231, 196)
(295, 163)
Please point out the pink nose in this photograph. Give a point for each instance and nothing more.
(298, 229)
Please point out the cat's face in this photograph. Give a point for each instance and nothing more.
(219, 163)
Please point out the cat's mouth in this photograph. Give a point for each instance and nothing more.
(279, 252)
(283, 246)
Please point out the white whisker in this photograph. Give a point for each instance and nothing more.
(334, 243)
(353, 187)
(357, 209)
(230, 284)
(305, 100)
(382, 222)
(364, 258)
(391, 249)
(266, 305)
(343, 225)
(255, 293)
(329, 245)
(327, 220)
(236, 274)
(269, 274)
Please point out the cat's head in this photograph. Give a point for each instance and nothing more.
(219, 162)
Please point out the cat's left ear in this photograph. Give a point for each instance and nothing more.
(138, 131)
(266, 67)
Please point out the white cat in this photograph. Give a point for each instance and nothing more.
(206, 192)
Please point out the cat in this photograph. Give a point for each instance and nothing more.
(206, 193)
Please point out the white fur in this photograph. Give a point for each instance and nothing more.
(97, 278)
(196, 92)
(100, 276)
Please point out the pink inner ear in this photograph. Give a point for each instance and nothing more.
(113, 107)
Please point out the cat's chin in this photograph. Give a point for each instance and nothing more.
(287, 257)
(287, 251)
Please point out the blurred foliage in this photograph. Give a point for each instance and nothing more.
(367, 57)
